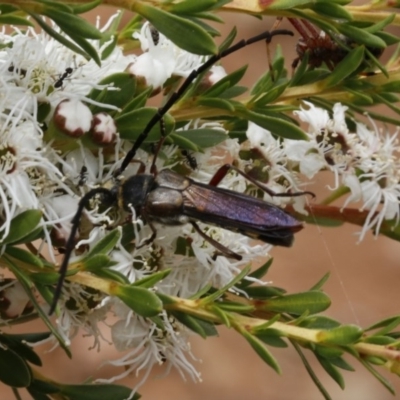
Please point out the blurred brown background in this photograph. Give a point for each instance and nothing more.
(364, 287)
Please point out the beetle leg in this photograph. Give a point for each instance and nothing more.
(153, 168)
(153, 235)
(224, 250)
(222, 171)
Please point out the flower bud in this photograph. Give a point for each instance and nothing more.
(73, 118)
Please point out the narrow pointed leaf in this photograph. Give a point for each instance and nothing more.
(24, 256)
(17, 344)
(22, 225)
(259, 273)
(14, 371)
(184, 33)
(311, 302)
(202, 138)
(105, 245)
(346, 67)
(42, 314)
(140, 300)
(361, 36)
(151, 280)
(341, 336)
(96, 392)
(311, 372)
(332, 371)
(202, 328)
(332, 10)
(259, 347)
(278, 127)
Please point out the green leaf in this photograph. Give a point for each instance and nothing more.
(271, 337)
(14, 371)
(121, 89)
(278, 127)
(221, 314)
(378, 376)
(380, 340)
(24, 256)
(16, 344)
(311, 302)
(96, 392)
(346, 67)
(341, 363)
(264, 292)
(235, 307)
(105, 245)
(60, 38)
(8, 19)
(388, 324)
(43, 111)
(142, 301)
(151, 280)
(40, 388)
(112, 275)
(272, 94)
(285, 4)
(45, 278)
(71, 23)
(225, 83)
(341, 336)
(26, 283)
(361, 36)
(321, 282)
(332, 10)
(377, 27)
(184, 33)
(227, 42)
(133, 123)
(199, 326)
(259, 273)
(201, 138)
(261, 350)
(222, 104)
(97, 262)
(218, 293)
(82, 8)
(310, 371)
(331, 370)
(138, 101)
(22, 225)
(319, 322)
(190, 6)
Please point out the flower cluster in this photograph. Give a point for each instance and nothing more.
(364, 160)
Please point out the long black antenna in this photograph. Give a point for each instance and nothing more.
(70, 245)
(193, 75)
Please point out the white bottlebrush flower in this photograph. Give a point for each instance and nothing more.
(365, 161)
(151, 346)
(161, 58)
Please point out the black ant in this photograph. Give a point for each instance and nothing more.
(68, 71)
(83, 176)
(171, 199)
(190, 159)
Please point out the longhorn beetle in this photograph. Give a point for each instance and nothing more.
(172, 199)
